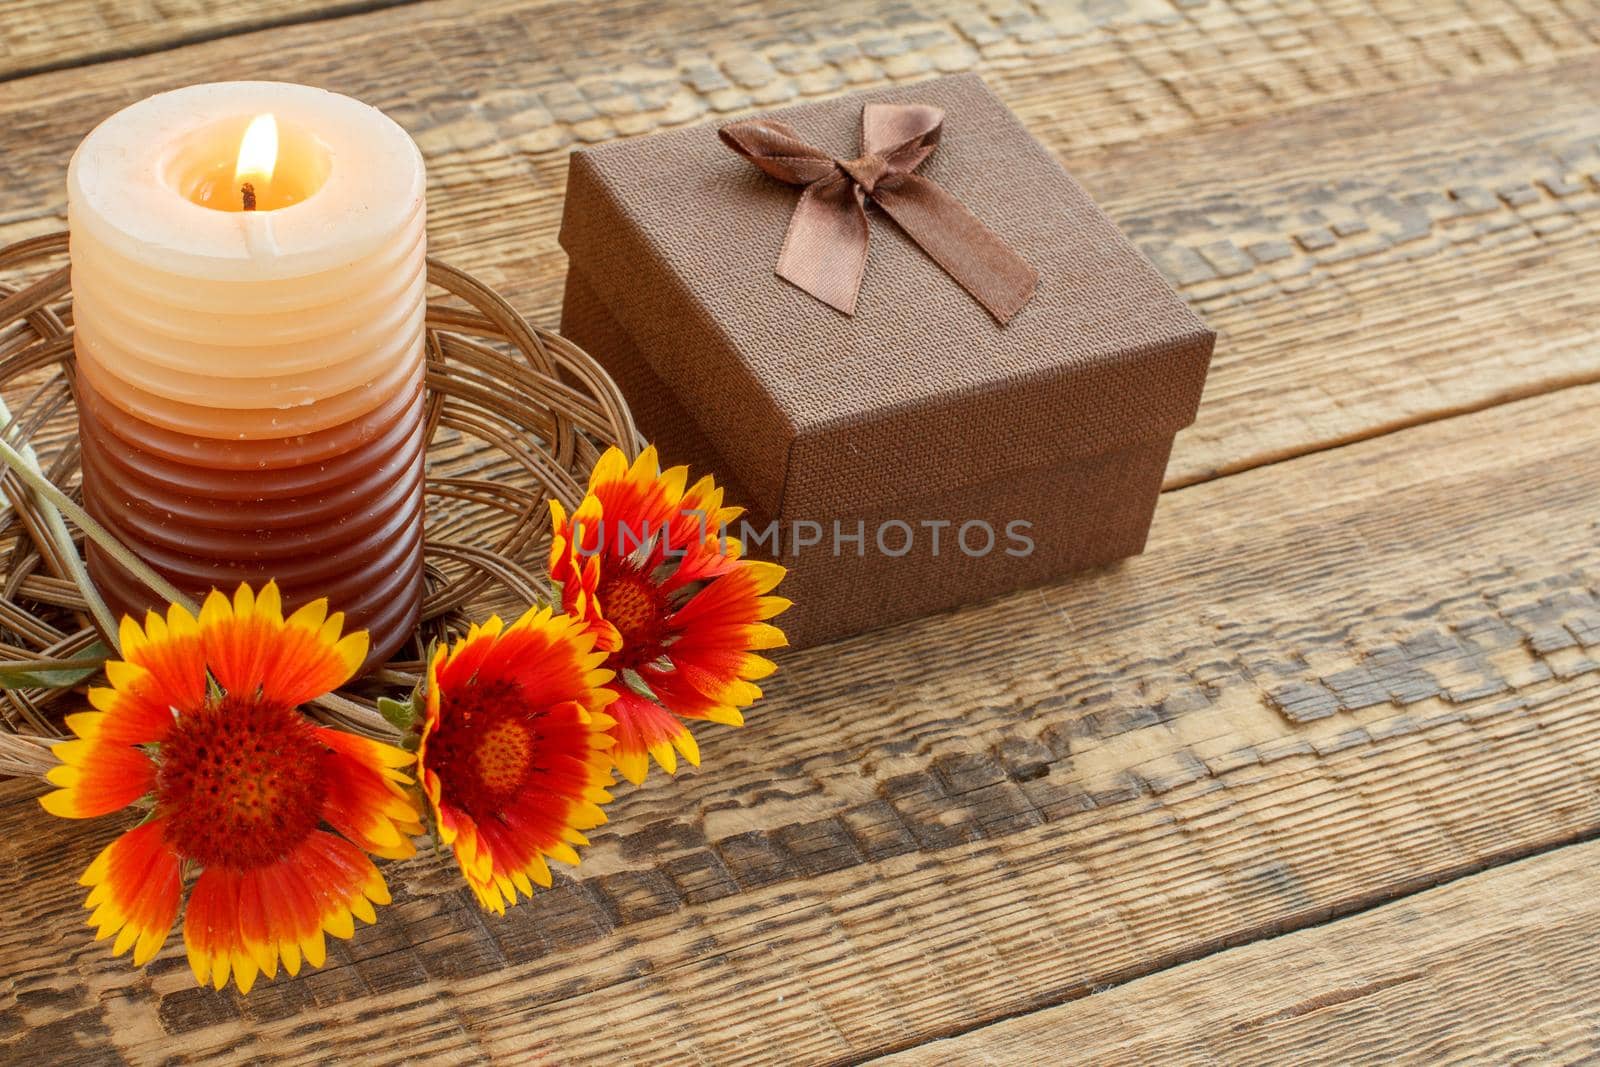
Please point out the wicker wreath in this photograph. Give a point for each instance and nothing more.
(516, 415)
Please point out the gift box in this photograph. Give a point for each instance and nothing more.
(985, 402)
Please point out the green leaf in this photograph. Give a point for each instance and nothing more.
(400, 713)
(635, 681)
(53, 673)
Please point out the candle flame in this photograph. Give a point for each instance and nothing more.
(258, 151)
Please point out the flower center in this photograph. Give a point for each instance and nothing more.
(240, 783)
(503, 756)
(635, 606)
(483, 750)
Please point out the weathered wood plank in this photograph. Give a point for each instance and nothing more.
(1371, 265)
(1393, 641)
(39, 35)
(1496, 968)
(1330, 683)
(1097, 74)
(1386, 213)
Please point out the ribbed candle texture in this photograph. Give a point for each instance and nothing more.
(250, 382)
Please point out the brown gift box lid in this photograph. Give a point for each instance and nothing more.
(920, 392)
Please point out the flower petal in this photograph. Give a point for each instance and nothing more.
(250, 647)
(168, 665)
(362, 802)
(643, 729)
(469, 653)
(211, 929)
(241, 923)
(135, 891)
(310, 658)
(547, 656)
(341, 879)
(96, 778)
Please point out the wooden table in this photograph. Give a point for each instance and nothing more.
(1314, 778)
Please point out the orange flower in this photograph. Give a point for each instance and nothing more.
(202, 718)
(647, 566)
(513, 750)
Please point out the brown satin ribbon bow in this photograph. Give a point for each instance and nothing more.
(825, 250)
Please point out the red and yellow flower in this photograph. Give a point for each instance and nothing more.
(646, 563)
(277, 814)
(514, 750)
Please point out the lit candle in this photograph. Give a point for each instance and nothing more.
(248, 296)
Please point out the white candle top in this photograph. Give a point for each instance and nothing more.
(155, 183)
(248, 261)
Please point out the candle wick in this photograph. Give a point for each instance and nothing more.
(248, 192)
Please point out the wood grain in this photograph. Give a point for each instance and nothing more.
(41, 35)
(1405, 261)
(1498, 967)
(1330, 683)
(1340, 675)
(1388, 214)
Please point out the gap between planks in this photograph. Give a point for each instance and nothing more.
(1368, 433)
(186, 37)
(1377, 902)
(1490, 968)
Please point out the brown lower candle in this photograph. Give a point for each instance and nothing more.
(336, 513)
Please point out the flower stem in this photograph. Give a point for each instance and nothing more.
(26, 467)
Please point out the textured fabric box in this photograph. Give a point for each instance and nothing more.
(919, 410)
